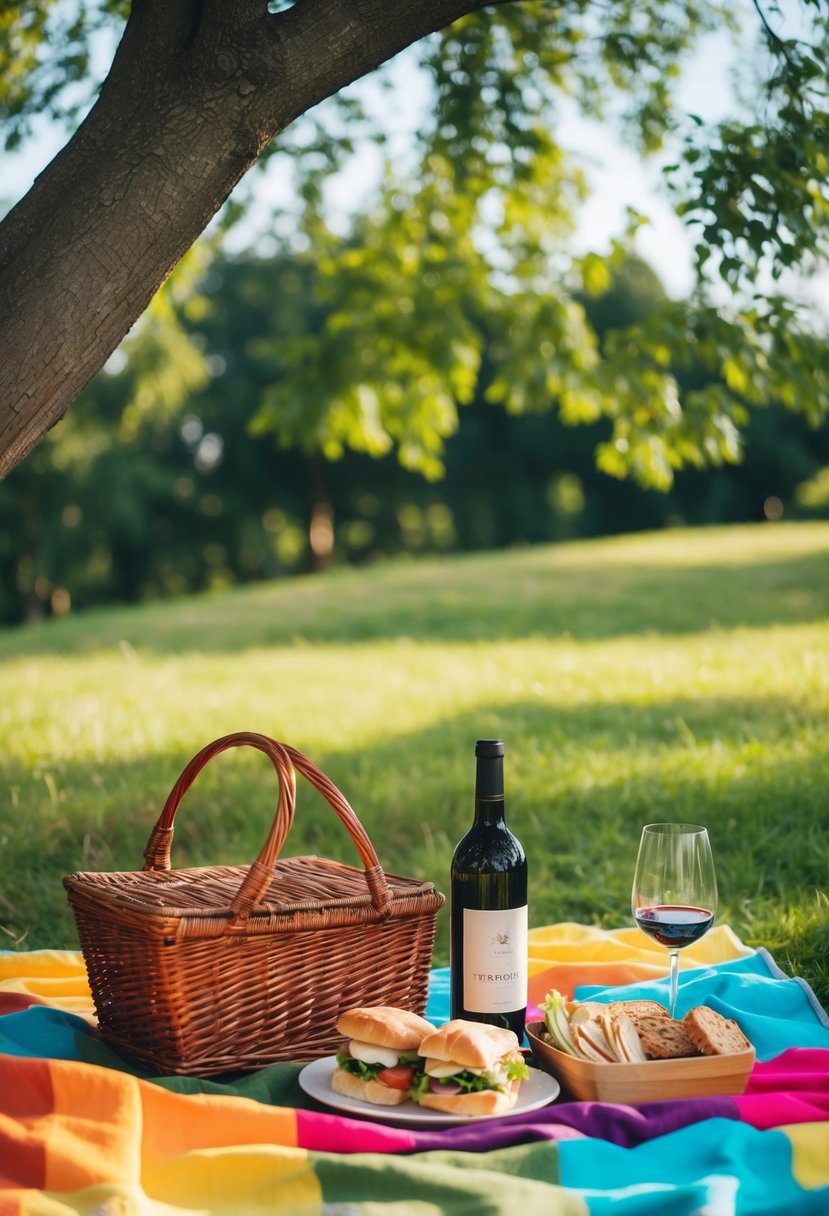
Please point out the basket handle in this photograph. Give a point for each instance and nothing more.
(375, 876)
(287, 761)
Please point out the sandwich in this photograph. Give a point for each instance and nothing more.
(380, 1062)
(470, 1068)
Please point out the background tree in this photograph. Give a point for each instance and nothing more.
(197, 92)
(157, 486)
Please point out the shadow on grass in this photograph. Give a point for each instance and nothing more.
(580, 784)
(491, 598)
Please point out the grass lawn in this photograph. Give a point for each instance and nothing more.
(679, 675)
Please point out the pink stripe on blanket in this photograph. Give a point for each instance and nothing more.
(791, 1088)
(325, 1133)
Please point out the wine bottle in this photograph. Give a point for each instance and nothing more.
(488, 910)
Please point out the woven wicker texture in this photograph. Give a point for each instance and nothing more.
(228, 968)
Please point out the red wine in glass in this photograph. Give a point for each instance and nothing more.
(674, 925)
(674, 896)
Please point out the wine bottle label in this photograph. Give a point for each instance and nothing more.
(494, 960)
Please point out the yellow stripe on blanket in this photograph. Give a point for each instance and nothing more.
(52, 977)
(239, 1181)
(246, 1181)
(58, 977)
(810, 1153)
(573, 943)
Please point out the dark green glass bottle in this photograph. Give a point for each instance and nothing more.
(488, 909)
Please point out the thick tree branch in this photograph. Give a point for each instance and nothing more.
(190, 102)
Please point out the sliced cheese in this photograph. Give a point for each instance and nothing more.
(369, 1053)
(591, 1042)
(440, 1068)
(628, 1041)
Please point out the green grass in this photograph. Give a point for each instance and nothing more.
(674, 675)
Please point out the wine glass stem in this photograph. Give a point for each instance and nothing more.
(674, 980)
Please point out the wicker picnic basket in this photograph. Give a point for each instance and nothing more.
(229, 968)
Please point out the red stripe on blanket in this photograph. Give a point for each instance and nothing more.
(14, 1002)
(28, 1097)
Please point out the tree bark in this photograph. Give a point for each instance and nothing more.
(197, 89)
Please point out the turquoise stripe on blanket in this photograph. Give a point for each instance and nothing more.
(715, 1168)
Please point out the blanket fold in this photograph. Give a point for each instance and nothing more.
(83, 1132)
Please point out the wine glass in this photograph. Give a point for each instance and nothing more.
(674, 896)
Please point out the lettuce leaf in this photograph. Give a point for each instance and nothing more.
(366, 1072)
(517, 1070)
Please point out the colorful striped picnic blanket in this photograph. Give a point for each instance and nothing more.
(81, 1132)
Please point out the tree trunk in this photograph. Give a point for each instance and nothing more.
(321, 521)
(197, 89)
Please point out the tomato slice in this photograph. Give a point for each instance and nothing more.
(399, 1077)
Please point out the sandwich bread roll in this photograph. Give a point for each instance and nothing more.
(463, 1053)
(378, 1065)
(376, 1092)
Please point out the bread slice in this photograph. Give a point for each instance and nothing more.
(637, 1009)
(713, 1034)
(482, 1102)
(384, 1026)
(663, 1038)
(376, 1092)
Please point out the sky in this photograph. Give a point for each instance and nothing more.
(618, 176)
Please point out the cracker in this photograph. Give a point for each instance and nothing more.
(712, 1034)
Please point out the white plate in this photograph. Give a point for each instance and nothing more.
(315, 1079)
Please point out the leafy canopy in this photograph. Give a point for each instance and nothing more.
(459, 277)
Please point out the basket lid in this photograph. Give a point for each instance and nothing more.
(299, 884)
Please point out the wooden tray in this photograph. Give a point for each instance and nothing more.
(654, 1081)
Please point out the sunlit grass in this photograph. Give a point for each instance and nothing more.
(679, 675)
